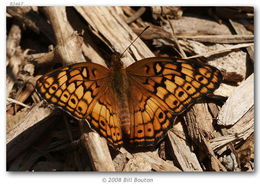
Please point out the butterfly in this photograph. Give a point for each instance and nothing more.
(135, 105)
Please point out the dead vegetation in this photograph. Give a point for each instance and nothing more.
(214, 135)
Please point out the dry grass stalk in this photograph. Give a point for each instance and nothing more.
(220, 38)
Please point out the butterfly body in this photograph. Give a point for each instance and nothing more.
(137, 104)
(120, 87)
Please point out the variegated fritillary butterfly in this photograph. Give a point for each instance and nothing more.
(136, 104)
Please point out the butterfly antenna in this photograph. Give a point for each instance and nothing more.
(134, 40)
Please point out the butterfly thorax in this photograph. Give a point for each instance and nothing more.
(116, 63)
(120, 85)
(118, 73)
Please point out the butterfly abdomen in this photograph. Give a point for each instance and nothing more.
(123, 114)
(120, 86)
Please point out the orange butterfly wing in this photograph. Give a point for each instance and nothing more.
(81, 90)
(160, 89)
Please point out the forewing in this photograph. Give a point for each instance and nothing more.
(178, 83)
